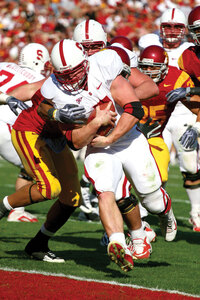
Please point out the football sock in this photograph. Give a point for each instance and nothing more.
(138, 234)
(118, 237)
(57, 216)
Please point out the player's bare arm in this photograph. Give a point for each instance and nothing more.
(124, 95)
(145, 87)
(26, 91)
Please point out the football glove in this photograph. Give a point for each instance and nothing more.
(178, 94)
(70, 113)
(189, 139)
(149, 130)
(14, 103)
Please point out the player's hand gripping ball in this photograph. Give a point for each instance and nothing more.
(103, 130)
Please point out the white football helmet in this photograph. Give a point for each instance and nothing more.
(36, 57)
(91, 35)
(172, 25)
(70, 63)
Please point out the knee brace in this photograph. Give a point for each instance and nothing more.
(191, 177)
(157, 202)
(127, 204)
(24, 175)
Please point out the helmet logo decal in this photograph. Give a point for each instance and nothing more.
(62, 53)
(173, 13)
(87, 29)
(39, 54)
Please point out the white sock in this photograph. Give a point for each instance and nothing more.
(194, 196)
(45, 231)
(143, 211)
(19, 209)
(138, 234)
(118, 237)
(7, 205)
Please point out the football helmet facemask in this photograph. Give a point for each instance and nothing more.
(173, 25)
(194, 24)
(153, 61)
(91, 35)
(71, 65)
(34, 56)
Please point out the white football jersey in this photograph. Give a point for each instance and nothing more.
(105, 66)
(100, 78)
(174, 55)
(11, 77)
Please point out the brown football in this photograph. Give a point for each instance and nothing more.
(103, 130)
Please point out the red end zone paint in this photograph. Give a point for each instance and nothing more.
(19, 285)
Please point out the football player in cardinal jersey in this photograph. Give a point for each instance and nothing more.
(107, 156)
(32, 67)
(48, 160)
(153, 61)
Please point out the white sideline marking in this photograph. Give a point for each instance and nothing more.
(181, 201)
(98, 281)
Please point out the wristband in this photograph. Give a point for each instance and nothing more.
(3, 98)
(51, 113)
(194, 91)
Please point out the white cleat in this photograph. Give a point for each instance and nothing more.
(168, 226)
(195, 221)
(140, 248)
(21, 216)
(150, 233)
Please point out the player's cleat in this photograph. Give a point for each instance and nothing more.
(21, 216)
(150, 233)
(86, 206)
(104, 240)
(88, 217)
(195, 221)
(139, 248)
(168, 226)
(3, 210)
(120, 255)
(43, 255)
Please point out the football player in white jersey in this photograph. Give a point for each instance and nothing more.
(123, 149)
(92, 36)
(32, 67)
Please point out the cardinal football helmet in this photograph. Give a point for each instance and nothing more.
(194, 24)
(173, 25)
(126, 72)
(34, 56)
(91, 35)
(123, 40)
(70, 63)
(153, 61)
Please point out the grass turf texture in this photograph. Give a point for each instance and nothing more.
(172, 265)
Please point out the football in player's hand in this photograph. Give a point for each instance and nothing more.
(103, 130)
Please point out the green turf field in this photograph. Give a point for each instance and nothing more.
(172, 266)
